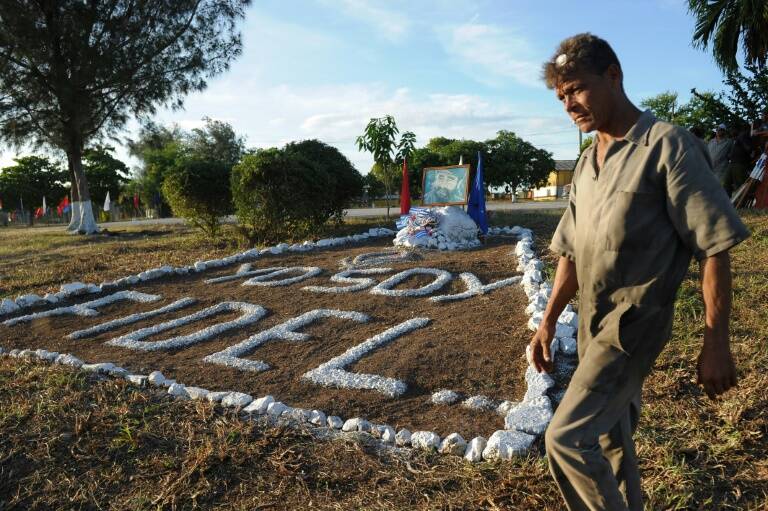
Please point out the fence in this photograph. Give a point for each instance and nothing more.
(117, 213)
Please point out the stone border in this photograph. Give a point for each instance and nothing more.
(524, 421)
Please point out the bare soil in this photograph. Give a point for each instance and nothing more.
(473, 346)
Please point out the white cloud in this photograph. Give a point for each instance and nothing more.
(492, 54)
(337, 114)
(389, 24)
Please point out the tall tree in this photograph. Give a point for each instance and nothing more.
(72, 71)
(23, 185)
(380, 139)
(104, 172)
(513, 161)
(727, 23)
(664, 105)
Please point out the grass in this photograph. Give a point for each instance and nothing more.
(69, 440)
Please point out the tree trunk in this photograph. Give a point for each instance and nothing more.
(86, 223)
(74, 207)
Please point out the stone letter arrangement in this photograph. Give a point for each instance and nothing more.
(524, 421)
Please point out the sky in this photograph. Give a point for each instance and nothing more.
(460, 69)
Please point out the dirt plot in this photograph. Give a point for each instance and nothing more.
(472, 346)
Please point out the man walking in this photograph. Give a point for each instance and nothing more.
(643, 201)
(719, 150)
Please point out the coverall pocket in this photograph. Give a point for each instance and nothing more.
(632, 221)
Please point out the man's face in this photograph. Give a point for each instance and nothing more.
(445, 184)
(589, 99)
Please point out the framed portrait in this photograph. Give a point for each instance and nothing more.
(445, 186)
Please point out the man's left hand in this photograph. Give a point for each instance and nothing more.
(715, 369)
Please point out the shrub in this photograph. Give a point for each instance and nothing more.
(291, 193)
(198, 191)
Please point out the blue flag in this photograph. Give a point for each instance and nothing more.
(476, 206)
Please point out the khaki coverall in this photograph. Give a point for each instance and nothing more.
(631, 230)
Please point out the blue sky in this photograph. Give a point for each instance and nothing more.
(461, 69)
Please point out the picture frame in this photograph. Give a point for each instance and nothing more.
(445, 186)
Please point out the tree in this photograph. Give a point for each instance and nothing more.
(748, 93)
(285, 193)
(664, 106)
(198, 191)
(23, 186)
(588, 141)
(162, 148)
(217, 141)
(104, 172)
(342, 181)
(513, 161)
(379, 138)
(72, 71)
(726, 23)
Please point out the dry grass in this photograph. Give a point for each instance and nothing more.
(68, 441)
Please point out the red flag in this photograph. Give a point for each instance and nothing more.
(62, 205)
(405, 193)
(38, 212)
(136, 201)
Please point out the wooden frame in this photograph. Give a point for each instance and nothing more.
(462, 169)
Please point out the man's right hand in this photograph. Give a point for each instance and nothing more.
(541, 357)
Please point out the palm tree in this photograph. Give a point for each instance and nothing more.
(725, 24)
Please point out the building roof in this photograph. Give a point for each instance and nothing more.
(565, 164)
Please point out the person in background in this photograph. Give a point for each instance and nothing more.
(697, 132)
(719, 149)
(739, 159)
(760, 127)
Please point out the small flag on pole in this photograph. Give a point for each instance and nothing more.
(136, 201)
(476, 206)
(461, 159)
(45, 207)
(107, 203)
(405, 192)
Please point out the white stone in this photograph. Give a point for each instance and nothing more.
(357, 424)
(199, 266)
(51, 298)
(276, 409)
(28, 300)
(479, 403)
(531, 417)
(403, 438)
(70, 360)
(453, 444)
(442, 277)
(73, 289)
(318, 418)
(388, 435)
(505, 406)
(156, 378)
(474, 451)
(568, 345)
(428, 440)
(332, 373)
(538, 383)
(259, 405)
(178, 390)
(504, 445)
(140, 380)
(236, 400)
(103, 367)
(131, 318)
(335, 422)
(249, 314)
(562, 330)
(216, 397)
(8, 306)
(445, 397)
